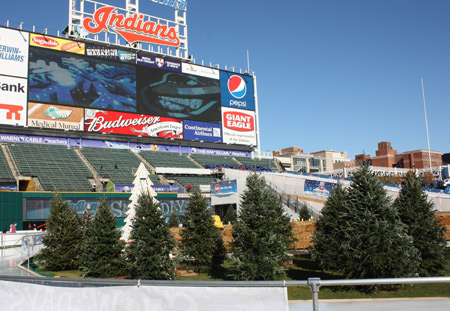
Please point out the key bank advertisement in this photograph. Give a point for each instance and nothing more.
(238, 126)
(237, 91)
(194, 130)
(14, 52)
(112, 122)
(13, 100)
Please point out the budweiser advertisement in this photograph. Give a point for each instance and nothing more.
(238, 126)
(59, 44)
(112, 122)
(55, 117)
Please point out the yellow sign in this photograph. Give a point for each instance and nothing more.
(58, 44)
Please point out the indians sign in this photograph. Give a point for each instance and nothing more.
(133, 28)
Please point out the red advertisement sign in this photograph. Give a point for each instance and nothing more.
(101, 121)
(133, 28)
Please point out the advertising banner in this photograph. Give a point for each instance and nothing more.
(207, 72)
(237, 90)
(319, 188)
(13, 100)
(238, 126)
(58, 44)
(101, 121)
(232, 153)
(37, 209)
(178, 95)
(14, 52)
(75, 80)
(224, 187)
(195, 130)
(158, 62)
(55, 117)
(13, 138)
(107, 52)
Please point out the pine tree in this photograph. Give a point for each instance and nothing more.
(261, 236)
(328, 237)
(417, 213)
(361, 235)
(304, 213)
(173, 220)
(151, 246)
(202, 243)
(230, 216)
(86, 221)
(102, 251)
(64, 237)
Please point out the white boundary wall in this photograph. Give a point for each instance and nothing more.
(25, 296)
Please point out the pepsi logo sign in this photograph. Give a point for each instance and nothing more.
(217, 188)
(45, 42)
(237, 86)
(239, 121)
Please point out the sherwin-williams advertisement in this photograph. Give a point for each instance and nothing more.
(132, 124)
(14, 53)
(237, 91)
(55, 117)
(238, 126)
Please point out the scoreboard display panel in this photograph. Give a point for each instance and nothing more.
(101, 87)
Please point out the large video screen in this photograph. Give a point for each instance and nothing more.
(178, 95)
(70, 79)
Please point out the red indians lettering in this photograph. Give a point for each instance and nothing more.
(99, 123)
(132, 28)
(239, 121)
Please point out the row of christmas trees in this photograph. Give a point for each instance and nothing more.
(259, 249)
(361, 233)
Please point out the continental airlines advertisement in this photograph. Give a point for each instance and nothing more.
(55, 83)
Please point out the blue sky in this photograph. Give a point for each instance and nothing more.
(331, 74)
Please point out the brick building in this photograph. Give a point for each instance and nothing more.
(419, 159)
(385, 155)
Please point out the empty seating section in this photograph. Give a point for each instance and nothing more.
(213, 161)
(155, 179)
(168, 159)
(193, 180)
(5, 172)
(57, 167)
(127, 163)
(260, 164)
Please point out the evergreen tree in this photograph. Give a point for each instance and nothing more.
(261, 235)
(202, 243)
(64, 237)
(151, 243)
(230, 216)
(418, 215)
(304, 213)
(102, 250)
(361, 235)
(86, 221)
(173, 220)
